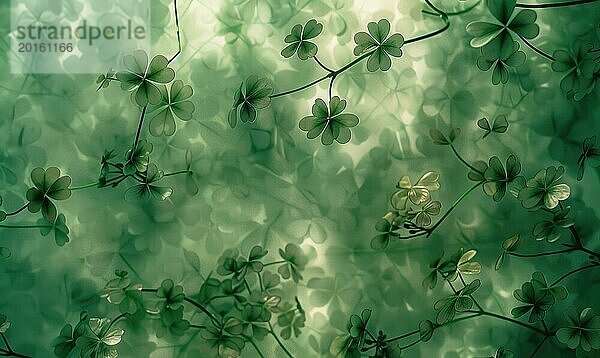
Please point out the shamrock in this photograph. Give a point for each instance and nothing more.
(67, 338)
(440, 138)
(4, 324)
(502, 59)
(141, 77)
(536, 300)
(539, 282)
(171, 296)
(100, 340)
(390, 222)
(426, 329)
(171, 322)
(291, 319)
(458, 302)
(582, 332)
(48, 184)
(466, 266)
(138, 159)
(295, 261)
(120, 291)
(590, 151)
(329, 122)
(174, 103)
(253, 319)
(418, 193)
(508, 245)
(549, 229)
(252, 95)
(422, 216)
(146, 189)
(499, 35)
(298, 40)
(104, 80)
(232, 288)
(219, 337)
(447, 269)
(357, 326)
(383, 347)
(579, 67)
(231, 263)
(500, 126)
(379, 45)
(498, 177)
(61, 231)
(544, 190)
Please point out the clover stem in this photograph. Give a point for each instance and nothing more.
(139, 131)
(197, 326)
(322, 65)
(572, 272)
(331, 86)
(405, 335)
(462, 280)
(114, 320)
(189, 300)
(278, 340)
(25, 226)
(176, 173)
(411, 344)
(178, 36)
(548, 253)
(274, 263)
(258, 351)
(301, 88)
(9, 352)
(558, 4)
(464, 161)
(536, 50)
(545, 326)
(508, 319)
(454, 205)
(90, 185)
(539, 346)
(18, 210)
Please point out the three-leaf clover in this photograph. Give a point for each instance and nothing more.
(500, 126)
(498, 176)
(357, 326)
(499, 34)
(389, 223)
(295, 261)
(544, 190)
(582, 332)
(379, 44)
(138, 159)
(67, 338)
(171, 295)
(58, 226)
(502, 59)
(142, 78)
(418, 193)
(253, 94)
(536, 301)
(550, 229)
(298, 40)
(579, 67)
(589, 152)
(47, 185)
(422, 216)
(120, 291)
(175, 103)
(146, 189)
(329, 122)
(100, 340)
(458, 302)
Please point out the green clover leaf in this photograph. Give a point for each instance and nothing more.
(295, 261)
(582, 332)
(291, 320)
(503, 353)
(498, 177)
(138, 159)
(217, 337)
(253, 94)
(4, 324)
(253, 319)
(500, 126)
(440, 138)
(298, 40)
(503, 59)
(466, 266)
(47, 185)
(390, 222)
(418, 193)
(550, 229)
(579, 67)
(536, 300)
(174, 103)
(171, 322)
(422, 216)
(142, 78)
(104, 79)
(58, 226)
(358, 326)
(544, 190)
(499, 34)
(459, 302)
(539, 282)
(426, 329)
(66, 341)
(101, 341)
(329, 122)
(171, 295)
(508, 245)
(146, 189)
(590, 152)
(381, 46)
(120, 291)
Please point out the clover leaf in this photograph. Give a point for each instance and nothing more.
(535, 299)
(466, 266)
(503, 353)
(500, 126)
(174, 103)
(120, 291)
(544, 190)
(498, 177)
(590, 152)
(47, 185)
(579, 67)
(440, 138)
(582, 332)
(418, 193)
(146, 189)
(218, 337)
(329, 122)
(426, 329)
(458, 302)
(291, 320)
(508, 245)
(171, 295)
(253, 319)
(499, 34)
(550, 229)
(390, 222)
(58, 226)
(539, 282)
(66, 341)
(138, 159)
(142, 78)
(358, 326)
(101, 341)
(422, 216)
(4, 323)
(295, 261)
(104, 79)
(503, 59)
(379, 44)
(171, 322)
(253, 94)
(298, 40)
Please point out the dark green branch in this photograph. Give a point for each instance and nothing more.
(272, 332)
(454, 205)
(464, 161)
(558, 4)
(572, 272)
(536, 50)
(18, 210)
(139, 130)
(549, 253)
(178, 36)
